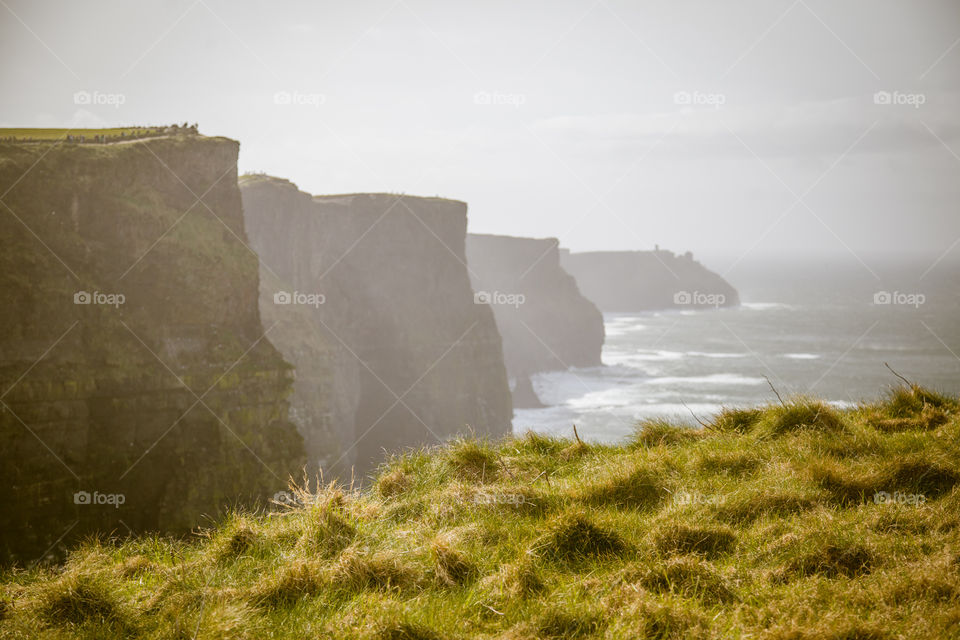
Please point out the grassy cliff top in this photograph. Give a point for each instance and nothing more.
(787, 521)
(254, 179)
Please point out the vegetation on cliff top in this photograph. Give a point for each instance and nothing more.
(795, 520)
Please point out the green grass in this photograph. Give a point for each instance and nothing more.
(765, 524)
(60, 134)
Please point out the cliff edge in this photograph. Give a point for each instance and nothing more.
(545, 322)
(627, 281)
(139, 392)
(392, 314)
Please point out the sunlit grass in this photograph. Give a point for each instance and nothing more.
(795, 520)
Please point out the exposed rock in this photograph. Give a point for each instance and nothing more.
(168, 401)
(545, 322)
(524, 395)
(414, 360)
(626, 281)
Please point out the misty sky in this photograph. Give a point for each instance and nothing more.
(730, 129)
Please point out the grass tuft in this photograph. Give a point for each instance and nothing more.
(358, 570)
(656, 432)
(78, 599)
(731, 420)
(734, 463)
(708, 541)
(690, 577)
(573, 537)
(406, 631)
(239, 541)
(539, 445)
(473, 461)
(452, 567)
(799, 415)
(392, 483)
(832, 558)
(521, 579)
(641, 487)
(557, 623)
(909, 402)
(743, 508)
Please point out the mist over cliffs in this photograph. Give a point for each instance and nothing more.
(545, 322)
(630, 281)
(139, 392)
(177, 340)
(398, 354)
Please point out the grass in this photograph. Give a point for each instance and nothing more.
(765, 524)
(60, 134)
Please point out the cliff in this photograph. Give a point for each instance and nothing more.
(138, 391)
(645, 280)
(392, 352)
(545, 322)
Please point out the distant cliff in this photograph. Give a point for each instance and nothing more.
(138, 390)
(646, 280)
(392, 352)
(545, 322)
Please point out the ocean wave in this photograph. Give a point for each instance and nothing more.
(801, 356)
(707, 354)
(715, 378)
(765, 306)
(624, 357)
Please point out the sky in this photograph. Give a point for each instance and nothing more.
(735, 130)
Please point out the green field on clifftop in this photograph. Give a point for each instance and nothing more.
(793, 520)
(61, 134)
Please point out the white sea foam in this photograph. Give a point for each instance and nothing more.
(801, 356)
(715, 378)
(764, 306)
(707, 354)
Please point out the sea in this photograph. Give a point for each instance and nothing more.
(821, 328)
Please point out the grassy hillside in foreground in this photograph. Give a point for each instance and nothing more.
(790, 521)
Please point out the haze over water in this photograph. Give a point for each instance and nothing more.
(812, 328)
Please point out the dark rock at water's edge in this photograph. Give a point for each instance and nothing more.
(524, 395)
(145, 412)
(397, 354)
(627, 281)
(545, 322)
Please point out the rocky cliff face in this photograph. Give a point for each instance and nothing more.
(138, 389)
(391, 351)
(545, 322)
(645, 280)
